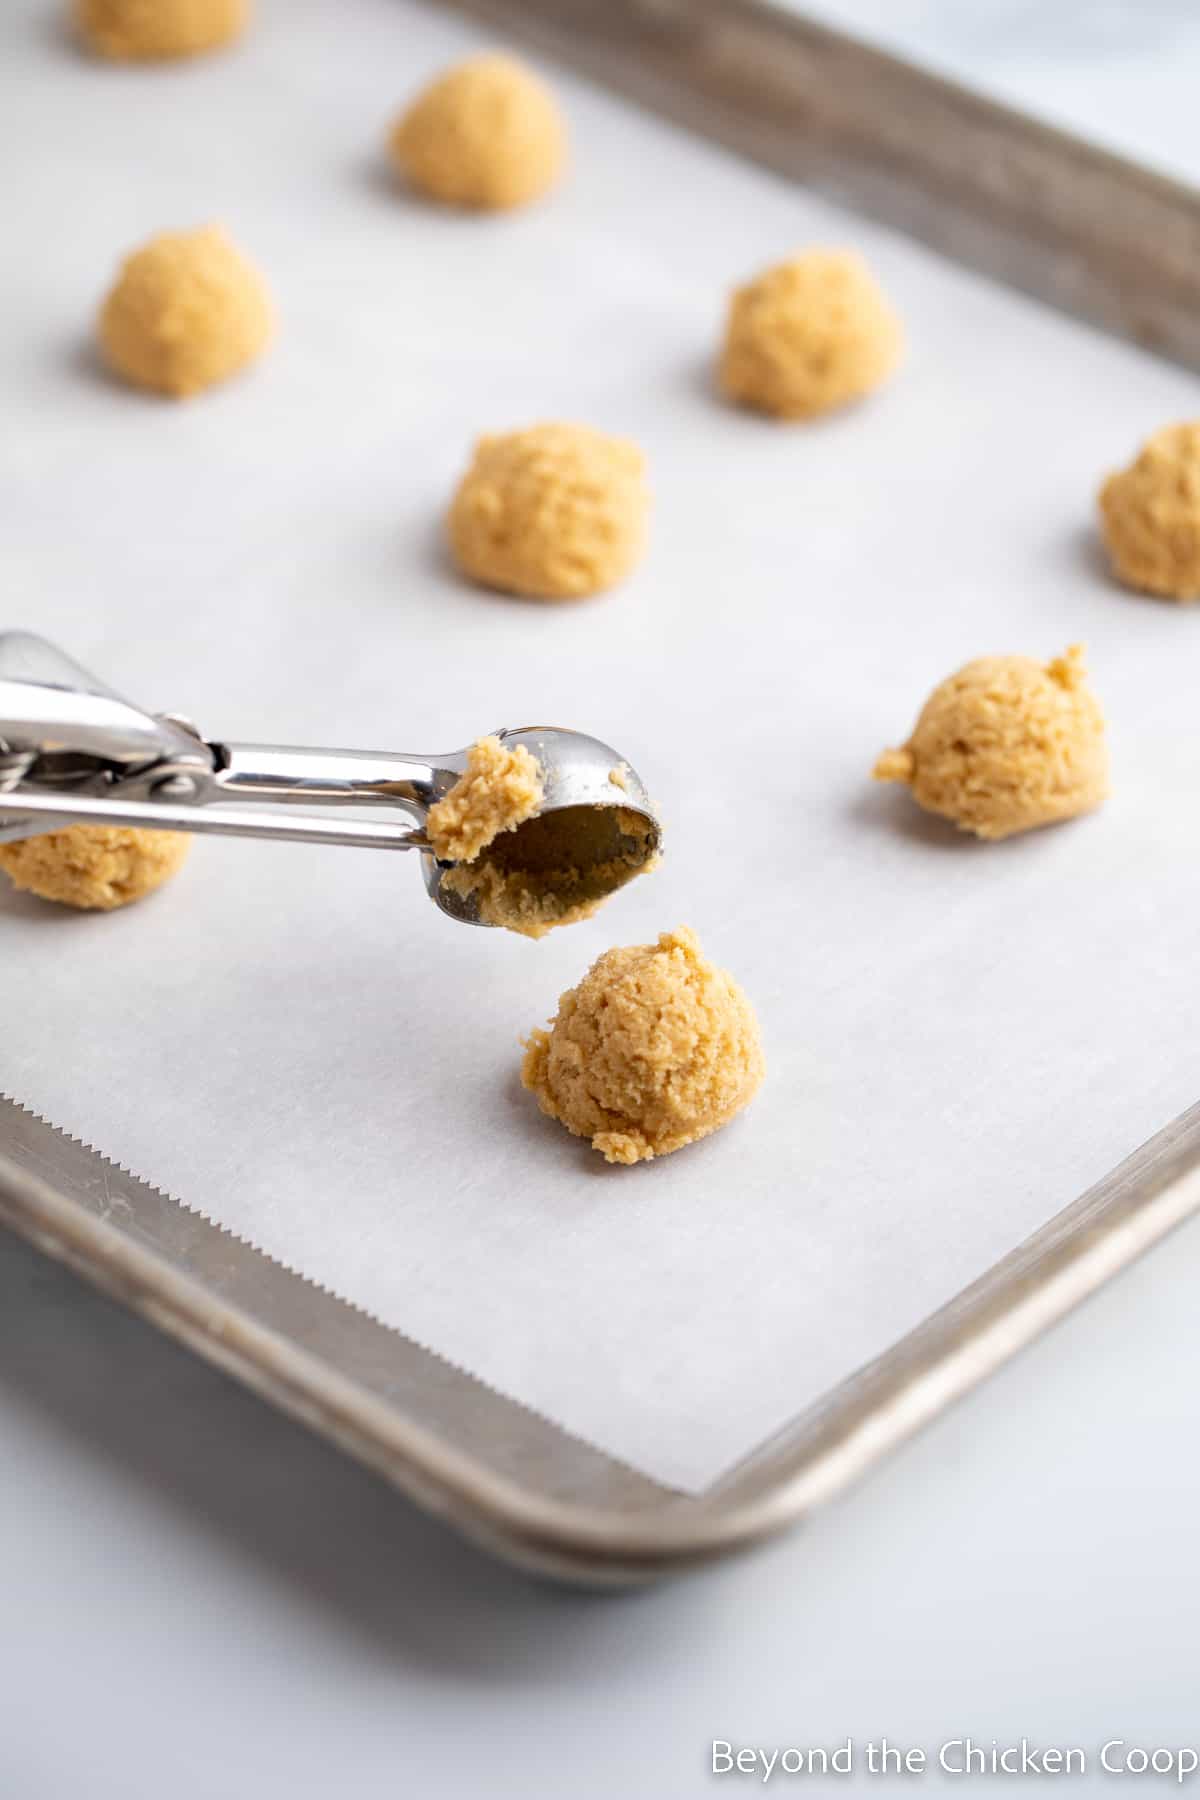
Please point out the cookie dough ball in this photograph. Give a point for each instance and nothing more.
(808, 335)
(187, 310)
(1006, 744)
(487, 134)
(501, 789)
(138, 30)
(95, 867)
(551, 513)
(654, 1049)
(1151, 516)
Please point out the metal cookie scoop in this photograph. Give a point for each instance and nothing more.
(73, 752)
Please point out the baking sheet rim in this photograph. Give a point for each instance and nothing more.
(975, 1334)
(856, 1423)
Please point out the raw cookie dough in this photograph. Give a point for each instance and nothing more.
(500, 790)
(96, 867)
(808, 335)
(551, 513)
(486, 134)
(144, 29)
(187, 310)
(655, 1048)
(1006, 744)
(557, 869)
(1151, 515)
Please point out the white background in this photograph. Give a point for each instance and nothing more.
(200, 1589)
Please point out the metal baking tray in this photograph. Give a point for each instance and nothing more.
(1098, 237)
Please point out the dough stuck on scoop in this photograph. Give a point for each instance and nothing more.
(527, 871)
(95, 867)
(137, 30)
(551, 513)
(500, 790)
(655, 1048)
(187, 310)
(556, 869)
(487, 134)
(1150, 514)
(1006, 744)
(808, 335)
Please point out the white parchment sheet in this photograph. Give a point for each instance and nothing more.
(960, 1037)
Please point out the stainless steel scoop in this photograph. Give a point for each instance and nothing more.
(73, 752)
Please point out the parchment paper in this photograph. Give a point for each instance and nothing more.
(961, 1037)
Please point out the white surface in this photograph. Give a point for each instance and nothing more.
(956, 1034)
(201, 1598)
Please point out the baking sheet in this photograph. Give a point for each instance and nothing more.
(960, 1037)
